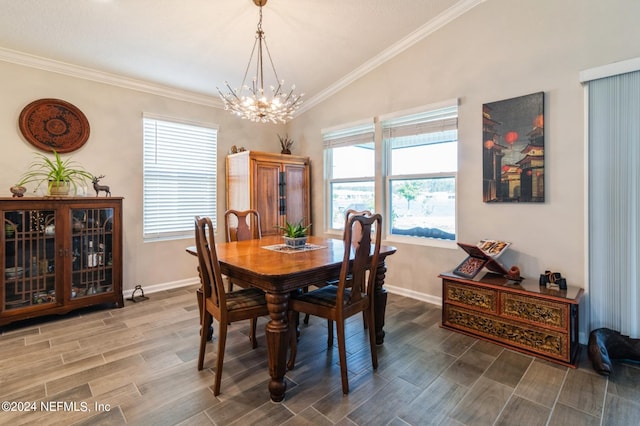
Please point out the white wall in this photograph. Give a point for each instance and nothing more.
(499, 50)
(114, 149)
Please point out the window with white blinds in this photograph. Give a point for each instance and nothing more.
(421, 154)
(179, 176)
(350, 170)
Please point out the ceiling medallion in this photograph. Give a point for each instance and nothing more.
(54, 125)
(252, 103)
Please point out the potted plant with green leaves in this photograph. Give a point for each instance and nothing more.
(61, 175)
(295, 234)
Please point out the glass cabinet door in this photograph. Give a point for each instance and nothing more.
(29, 258)
(91, 252)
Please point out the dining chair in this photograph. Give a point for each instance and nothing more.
(347, 216)
(241, 225)
(225, 307)
(352, 294)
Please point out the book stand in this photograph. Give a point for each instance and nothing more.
(477, 260)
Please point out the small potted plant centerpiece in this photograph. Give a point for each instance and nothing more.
(295, 234)
(61, 175)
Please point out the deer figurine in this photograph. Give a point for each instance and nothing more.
(99, 187)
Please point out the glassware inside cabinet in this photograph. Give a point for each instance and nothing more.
(29, 258)
(92, 245)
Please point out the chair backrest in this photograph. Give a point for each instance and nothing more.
(347, 215)
(352, 212)
(241, 226)
(209, 267)
(358, 234)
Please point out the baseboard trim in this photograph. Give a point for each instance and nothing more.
(434, 300)
(163, 286)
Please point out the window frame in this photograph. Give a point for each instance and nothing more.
(341, 136)
(198, 173)
(389, 178)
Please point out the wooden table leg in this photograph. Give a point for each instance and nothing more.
(380, 301)
(277, 334)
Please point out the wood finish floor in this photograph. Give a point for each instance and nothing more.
(137, 365)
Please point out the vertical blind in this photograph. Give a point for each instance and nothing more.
(614, 203)
(179, 177)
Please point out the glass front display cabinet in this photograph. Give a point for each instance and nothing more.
(59, 254)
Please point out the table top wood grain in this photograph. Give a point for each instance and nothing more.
(279, 271)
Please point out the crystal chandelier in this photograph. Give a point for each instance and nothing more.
(253, 103)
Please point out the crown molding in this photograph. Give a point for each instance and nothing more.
(71, 70)
(416, 36)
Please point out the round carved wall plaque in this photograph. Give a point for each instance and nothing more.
(53, 124)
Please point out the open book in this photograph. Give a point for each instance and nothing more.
(493, 248)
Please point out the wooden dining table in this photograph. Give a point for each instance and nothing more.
(266, 264)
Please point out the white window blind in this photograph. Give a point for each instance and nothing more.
(438, 121)
(358, 134)
(179, 177)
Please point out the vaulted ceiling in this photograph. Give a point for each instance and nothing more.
(196, 45)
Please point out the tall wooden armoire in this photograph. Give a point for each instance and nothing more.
(277, 185)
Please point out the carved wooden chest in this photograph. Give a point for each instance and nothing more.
(523, 316)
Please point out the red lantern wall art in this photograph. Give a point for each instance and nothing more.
(511, 137)
(513, 149)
